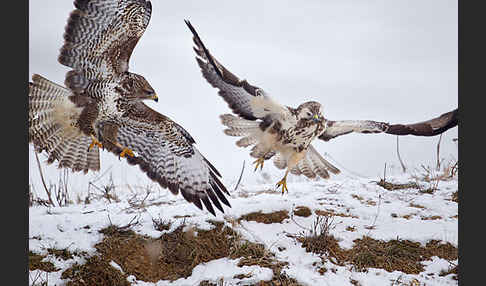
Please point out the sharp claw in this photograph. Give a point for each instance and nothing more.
(94, 142)
(259, 163)
(283, 183)
(126, 151)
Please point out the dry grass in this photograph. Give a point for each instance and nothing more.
(452, 270)
(391, 186)
(35, 262)
(302, 211)
(267, 218)
(433, 217)
(96, 271)
(455, 197)
(368, 202)
(401, 255)
(170, 257)
(416, 206)
(332, 213)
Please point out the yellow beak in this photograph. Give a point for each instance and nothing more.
(155, 98)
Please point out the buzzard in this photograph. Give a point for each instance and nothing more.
(102, 106)
(285, 133)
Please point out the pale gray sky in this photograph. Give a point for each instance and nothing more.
(392, 61)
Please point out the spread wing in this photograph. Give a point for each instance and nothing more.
(166, 153)
(248, 101)
(99, 39)
(338, 128)
(430, 127)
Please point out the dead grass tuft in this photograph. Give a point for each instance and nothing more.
(161, 224)
(452, 270)
(302, 211)
(326, 213)
(401, 255)
(65, 254)
(416, 206)
(455, 197)
(96, 271)
(434, 217)
(35, 262)
(392, 186)
(267, 218)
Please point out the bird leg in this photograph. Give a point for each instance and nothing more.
(125, 150)
(283, 182)
(259, 163)
(94, 142)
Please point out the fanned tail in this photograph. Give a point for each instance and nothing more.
(52, 119)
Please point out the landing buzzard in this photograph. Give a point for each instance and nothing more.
(285, 133)
(102, 106)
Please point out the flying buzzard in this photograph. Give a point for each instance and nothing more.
(285, 133)
(102, 106)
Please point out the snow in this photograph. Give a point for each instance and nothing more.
(76, 226)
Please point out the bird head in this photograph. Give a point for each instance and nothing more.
(310, 111)
(137, 88)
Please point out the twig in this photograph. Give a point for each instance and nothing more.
(400, 159)
(241, 176)
(438, 149)
(384, 174)
(372, 226)
(42, 179)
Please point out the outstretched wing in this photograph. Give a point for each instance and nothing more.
(166, 152)
(338, 128)
(430, 127)
(248, 101)
(99, 39)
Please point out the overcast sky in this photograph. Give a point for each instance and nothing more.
(392, 61)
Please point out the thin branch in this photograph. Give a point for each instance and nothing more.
(400, 158)
(241, 176)
(42, 179)
(438, 149)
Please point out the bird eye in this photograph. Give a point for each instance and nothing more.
(309, 114)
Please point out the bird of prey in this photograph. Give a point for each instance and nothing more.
(102, 106)
(281, 132)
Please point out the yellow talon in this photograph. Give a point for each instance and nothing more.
(259, 163)
(126, 151)
(94, 142)
(283, 183)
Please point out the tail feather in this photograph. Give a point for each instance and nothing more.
(52, 118)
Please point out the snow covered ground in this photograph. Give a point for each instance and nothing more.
(365, 207)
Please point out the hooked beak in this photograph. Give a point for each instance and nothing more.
(316, 118)
(155, 97)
